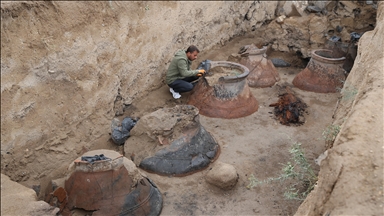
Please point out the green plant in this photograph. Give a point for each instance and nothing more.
(348, 93)
(330, 132)
(297, 169)
(253, 182)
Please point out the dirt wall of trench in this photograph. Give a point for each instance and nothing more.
(351, 175)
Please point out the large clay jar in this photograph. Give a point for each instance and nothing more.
(262, 72)
(224, 92)
(324, 73)
(172, 142)
(110, 186)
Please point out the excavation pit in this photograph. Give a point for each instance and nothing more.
(62, 87)
(224, 92)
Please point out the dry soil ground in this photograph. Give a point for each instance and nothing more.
(256, 144)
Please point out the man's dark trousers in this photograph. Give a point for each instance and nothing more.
(184, 85)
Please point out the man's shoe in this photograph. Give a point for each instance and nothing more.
(175, 95)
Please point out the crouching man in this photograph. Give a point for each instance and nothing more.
(179, 75)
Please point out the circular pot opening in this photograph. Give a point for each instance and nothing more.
(328, 56)
(323, 74)
(223, 92)
(217, 74)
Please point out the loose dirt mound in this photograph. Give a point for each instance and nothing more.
(165, 125)
(214, 74)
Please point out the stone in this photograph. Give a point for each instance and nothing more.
(318, 24)
(321, 157)
(349, 6)
(294, 8)
(347, 22)
(222, 175)
(319, 4)
(17, 199)
(280, 19)
(280, 62)
(345, 35)
(42, 208)
(318, 38)
(339, 28)
(313, 9)
(234, 57)
(335, 23)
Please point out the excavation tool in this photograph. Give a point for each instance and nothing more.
(205, 65)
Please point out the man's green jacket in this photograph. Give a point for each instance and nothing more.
(179, 68)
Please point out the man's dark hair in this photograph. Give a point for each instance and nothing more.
(192, 49)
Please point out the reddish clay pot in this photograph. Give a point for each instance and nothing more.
(262, 72)
(228, 97)
(323, 74)
(110, 187)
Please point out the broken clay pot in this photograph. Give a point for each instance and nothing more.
(262, 72)
(324, 73)
(193, 151)
(110, 187)
(171, 141)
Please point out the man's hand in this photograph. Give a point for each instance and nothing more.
(201, 72)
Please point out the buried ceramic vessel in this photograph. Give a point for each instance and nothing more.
(171, 141)
(223, 92)
(324, 73)
(262, 72)
(107, 183)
